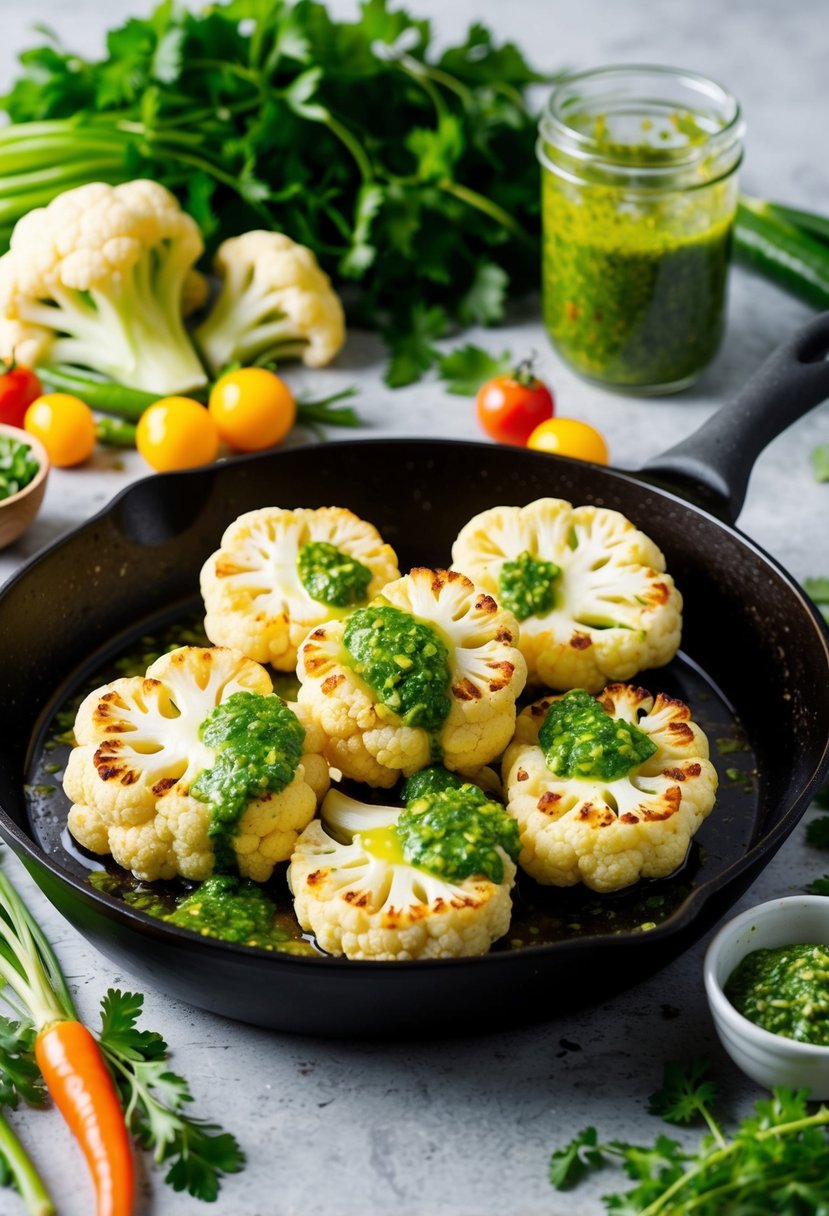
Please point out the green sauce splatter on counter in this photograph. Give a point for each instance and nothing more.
(581, 739)
(331, 576)
(18, 466)
(404, 661)
(785, 990)
(258, 742)
(526, 585)
(457, 833)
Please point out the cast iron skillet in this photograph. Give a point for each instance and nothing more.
(754, 654)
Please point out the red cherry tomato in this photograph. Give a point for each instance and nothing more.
(19, 387)
(511, 406)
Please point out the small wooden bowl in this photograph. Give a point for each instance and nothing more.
(17, 512)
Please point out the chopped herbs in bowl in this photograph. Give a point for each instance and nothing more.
(23, 469)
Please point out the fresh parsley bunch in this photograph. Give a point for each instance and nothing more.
(774, 1162)
(411, 175)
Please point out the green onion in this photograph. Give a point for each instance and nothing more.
(788, 255)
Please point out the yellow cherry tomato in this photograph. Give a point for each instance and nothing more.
(569, 437)
(176, 433)
(252, 409)
(64, 425)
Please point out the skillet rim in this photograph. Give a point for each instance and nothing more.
(31, 854)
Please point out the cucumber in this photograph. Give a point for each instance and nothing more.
(783, 252)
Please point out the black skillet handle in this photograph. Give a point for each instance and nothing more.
(712, 466)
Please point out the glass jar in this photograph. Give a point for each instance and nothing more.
(639, 192)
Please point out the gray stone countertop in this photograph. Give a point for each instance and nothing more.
(466, 1126)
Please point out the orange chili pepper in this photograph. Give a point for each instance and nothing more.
(78, 1079)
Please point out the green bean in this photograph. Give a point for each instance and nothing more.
(782, 252)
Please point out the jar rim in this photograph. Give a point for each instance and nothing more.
(584, 148)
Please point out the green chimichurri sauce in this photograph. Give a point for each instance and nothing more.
(258, 743)
(224, 906)
(429, 781)
(331, 576)
(526, 585)
(404, 661)
(581, 739)
(455, 834)
(785, 990)
(634, 274)
(631, 305)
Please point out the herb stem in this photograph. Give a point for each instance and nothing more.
(26, 1178)
(819, 1118)
(473, 199)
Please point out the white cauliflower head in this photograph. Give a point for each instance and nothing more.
(590, 591)
(100, 278)
(277, 572)
(355, 890)
(145, 777)
(274, 303)
(606, 816)
(449, 672)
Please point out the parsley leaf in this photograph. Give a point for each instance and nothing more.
(817, 832)
(569, 1165)
(468, 367)
(413, 350)
(820, 462)
(684, 1095)
(774, 1162)
(485, 301)
(818, 886)
(199, 1153)
(19, 1074)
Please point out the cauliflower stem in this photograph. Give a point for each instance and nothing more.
(102, 279)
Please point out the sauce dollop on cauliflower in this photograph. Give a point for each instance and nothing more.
(599, 819)
(357, 890)
(274, 578)
(589, 589)
(374, 733)
(143, 772)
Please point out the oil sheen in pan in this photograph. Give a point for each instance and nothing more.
(542, 915)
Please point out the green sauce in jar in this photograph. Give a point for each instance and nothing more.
(639, 196)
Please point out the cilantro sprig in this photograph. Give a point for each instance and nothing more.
(775, 1160)
(154, 1098)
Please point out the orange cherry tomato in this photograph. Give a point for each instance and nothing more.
(64, 425)
(176, 433)
(569, 437)
(252, 409)
(510, 407)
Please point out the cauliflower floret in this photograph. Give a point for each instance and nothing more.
(366, 738)
(359, 896)
(274, 303)
(605, 612)
(141, 751)
(101, 277)
(608, 833)
(254, 595)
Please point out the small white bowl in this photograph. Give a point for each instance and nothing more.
(769, 1059)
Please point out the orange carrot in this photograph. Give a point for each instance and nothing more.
(83, 1091)
(68, 1056)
